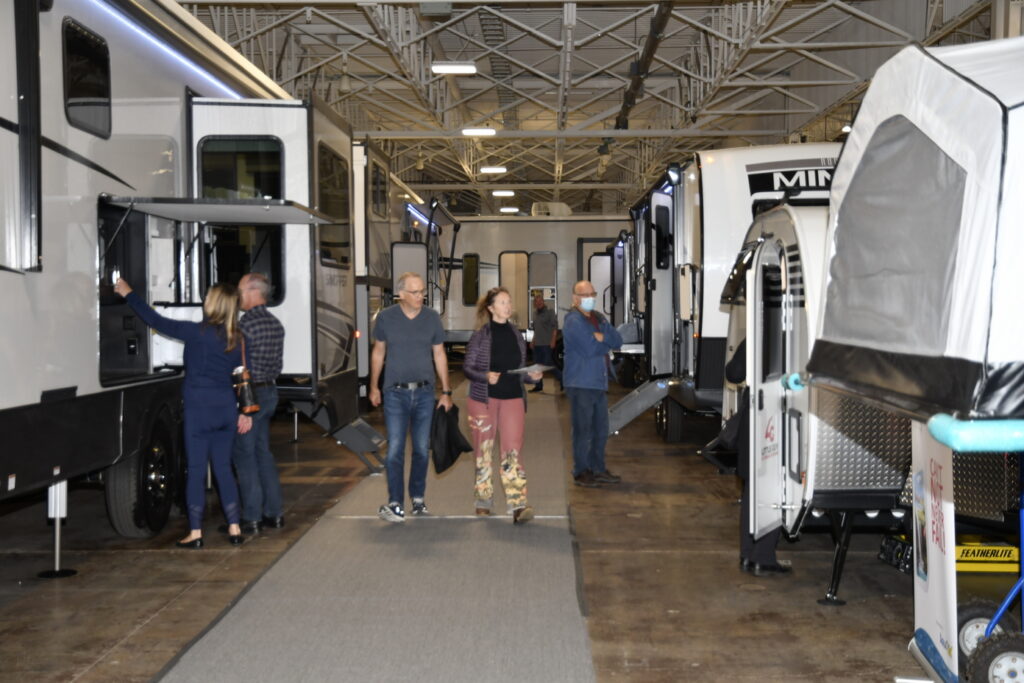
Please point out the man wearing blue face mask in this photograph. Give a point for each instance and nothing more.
(589, 338)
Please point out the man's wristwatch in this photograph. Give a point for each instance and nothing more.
(446, 393)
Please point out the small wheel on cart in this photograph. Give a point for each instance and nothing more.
(999, 658)
(972, 619)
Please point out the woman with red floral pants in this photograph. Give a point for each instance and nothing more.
(497, 403)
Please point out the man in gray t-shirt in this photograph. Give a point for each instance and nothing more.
(545, 331)
(410, 338)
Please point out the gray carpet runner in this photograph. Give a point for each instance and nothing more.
(449, 597)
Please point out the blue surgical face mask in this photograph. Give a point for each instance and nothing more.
(587, 303)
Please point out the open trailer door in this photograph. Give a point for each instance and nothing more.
(766, 352)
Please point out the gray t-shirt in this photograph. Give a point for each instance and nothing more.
(410, 353)
(545, 322)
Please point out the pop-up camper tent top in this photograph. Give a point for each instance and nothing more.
(922, 312)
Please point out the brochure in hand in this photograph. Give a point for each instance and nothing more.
(536, 367)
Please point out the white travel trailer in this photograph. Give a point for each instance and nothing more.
(922, 310)
(140, 145)
(686, 231)
(808, 450)
(524, 254)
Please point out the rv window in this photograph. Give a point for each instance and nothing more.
(470, 279)
(773, 341)
(379, 190)
(243, 168)
(86, 80)
(732, 293)
(333, 200)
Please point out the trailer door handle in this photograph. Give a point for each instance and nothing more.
(760, 399)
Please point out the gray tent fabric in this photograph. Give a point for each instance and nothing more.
(922, 292)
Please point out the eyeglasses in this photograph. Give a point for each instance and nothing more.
(416, 292)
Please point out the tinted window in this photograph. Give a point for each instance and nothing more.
(333, 200)
(86, 80)
(243, 168)
(773, 342)
(379, 190)
(470, 279)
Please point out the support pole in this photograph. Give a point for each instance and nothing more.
(57, 510)
(845, 530)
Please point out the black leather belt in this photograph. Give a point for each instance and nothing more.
(409, 385)
(261, 385)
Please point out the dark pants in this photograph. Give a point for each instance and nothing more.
(545, 355)
(589, 429)
(211, 420)
(258, 482)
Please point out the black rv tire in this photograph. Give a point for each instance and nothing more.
(141, 489)
(673, 421)
(972, 618)
(996, 657)
(631, 373)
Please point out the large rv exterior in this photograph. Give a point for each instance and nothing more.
(524, 254)
(686, 231)
(146, 148)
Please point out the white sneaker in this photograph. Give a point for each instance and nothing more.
(392, 512)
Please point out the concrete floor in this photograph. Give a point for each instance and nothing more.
(665, 598)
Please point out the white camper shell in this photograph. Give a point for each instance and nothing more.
(686, 232)
(922, 308)
(807, 449)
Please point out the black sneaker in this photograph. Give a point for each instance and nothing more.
(607, 477)
(585, 478)
(392, 512)
(419, 508)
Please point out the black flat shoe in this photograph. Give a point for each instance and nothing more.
(194, 544)
(746, 565)
(237, 539)
(272, 522)
(771, 569)
(248, 527)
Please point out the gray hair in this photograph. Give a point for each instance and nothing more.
(261, 284)
(405, 276)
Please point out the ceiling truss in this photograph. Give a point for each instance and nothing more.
(591, 100)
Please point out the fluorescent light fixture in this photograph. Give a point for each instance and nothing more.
(493, 169)
(847, 128)
(503, 193)
(478, 132)
(509, 209)
(453, 68)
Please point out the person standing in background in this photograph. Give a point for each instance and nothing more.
(589, 338)
(545, 332)
(258, 481)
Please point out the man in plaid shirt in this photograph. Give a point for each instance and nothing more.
(258, 483)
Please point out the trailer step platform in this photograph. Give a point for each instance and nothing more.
(636, 403)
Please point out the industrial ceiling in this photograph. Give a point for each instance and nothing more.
(588, 101)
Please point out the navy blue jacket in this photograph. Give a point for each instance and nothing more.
(207, 365)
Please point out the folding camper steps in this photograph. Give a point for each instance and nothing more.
(973, 554)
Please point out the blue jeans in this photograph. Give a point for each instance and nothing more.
(406, 409)
(589, 429)
(211, 419)
(545, 355)
(258, 483)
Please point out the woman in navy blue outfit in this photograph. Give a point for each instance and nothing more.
(213, 348)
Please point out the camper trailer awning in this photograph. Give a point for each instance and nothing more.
(223, 211)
